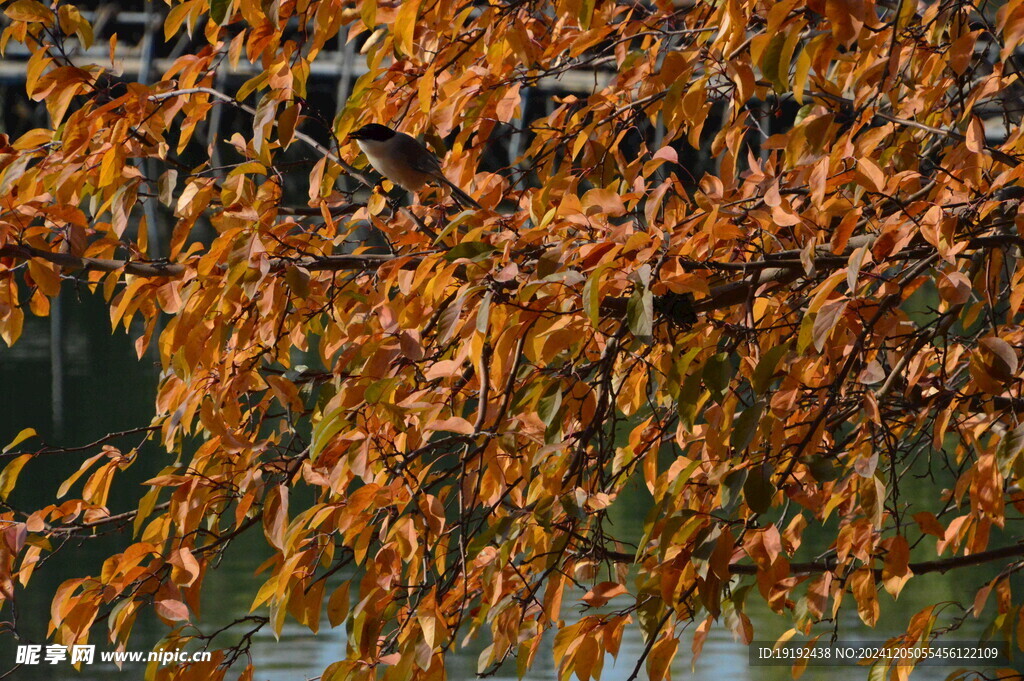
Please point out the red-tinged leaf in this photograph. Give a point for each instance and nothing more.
(189, 564)
(845, 17)
(667, 154)
(826, 320)
(897, 570)
(954, 287)
(604, 200)
(506, 107)
(975, 135)
(1003, 361)
(455, 424)
(700, 637)
(869, 175)
(961, 52)
(171, 609)
(411, 345)
(448, 322)
(981, 597)
(275, 516)
(602, 593)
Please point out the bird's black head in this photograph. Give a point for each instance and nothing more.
(374, 131)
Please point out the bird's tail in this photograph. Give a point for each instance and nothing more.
(461, 197)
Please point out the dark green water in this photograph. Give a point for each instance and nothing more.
(106, 389)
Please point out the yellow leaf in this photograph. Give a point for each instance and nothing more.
(109, 167)
(33, 138)
(174, 19)
(368, 13)
(86, 465)
(19, 438)
(803, 66)
(405, 26)
(425, 91)
(660, 660)
(9, 476)
(30, 10)
(10, 329)
(824, 290)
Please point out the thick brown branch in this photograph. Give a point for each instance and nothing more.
(142, 269)
(924, 567)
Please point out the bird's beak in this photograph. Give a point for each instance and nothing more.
(356, 135)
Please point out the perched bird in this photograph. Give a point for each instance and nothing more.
(404, 160)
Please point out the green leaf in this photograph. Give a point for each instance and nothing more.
(765, 370)
(717, 374)
(550, 403)
(449, 319)
(324, 430)
(806, 334)
(482, 540)
(640, 313)
(586, 13)
(689, 399)
(1008, 449)
(298, 280)
(592, 294)
(483, 315)
(218, 10)
(731, 487)
(678, 372)
(758, 489)
(771, 65)
(549, 262)
(823, 469)
(471, 250)
(378, 390)
(744, 427)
